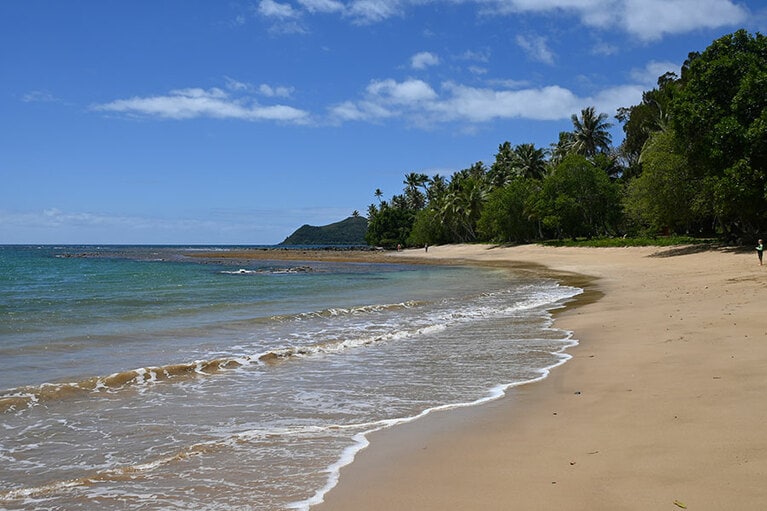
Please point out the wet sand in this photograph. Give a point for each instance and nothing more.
(662, 406)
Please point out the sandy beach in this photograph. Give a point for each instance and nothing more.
(661, 407)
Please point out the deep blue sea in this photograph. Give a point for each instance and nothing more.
(143, 378)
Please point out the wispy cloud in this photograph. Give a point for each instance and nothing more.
(647, 20)
(536, 48)
(38, 96)
(285, 18)
(272, 9)
(322, 6)
(423, 59)
(215, 225)
(57, 218)
(271, 91)
(215, 103)
(371, 11)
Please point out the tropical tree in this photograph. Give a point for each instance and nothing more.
(666, 196)
(529, 162)
(428, 229)
(502, 169)
(642, 120)
(508, 213)
(389, 226)
(720, 118)
(561, 148)
(437, 188)
(590, 133)
(461, 206)
(415, 197)
(578, 199)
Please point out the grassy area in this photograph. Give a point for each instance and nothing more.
(657, 241)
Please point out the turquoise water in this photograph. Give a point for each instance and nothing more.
(142, 378)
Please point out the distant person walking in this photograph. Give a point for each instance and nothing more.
(759, 251)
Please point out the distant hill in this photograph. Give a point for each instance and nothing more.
(346, 232)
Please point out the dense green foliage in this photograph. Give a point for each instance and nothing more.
(693, 162)
(638, 241)
(346, 232)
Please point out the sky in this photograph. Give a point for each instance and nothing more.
(236, 122)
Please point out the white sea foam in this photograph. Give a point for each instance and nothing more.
(360, 440)
(212, 414)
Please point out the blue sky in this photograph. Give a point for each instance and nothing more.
(193, 121)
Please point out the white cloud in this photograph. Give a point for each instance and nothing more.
(652, 71)
(272, 9)
(385, 99)
(322, 5)
(196, 102)
(612, 98)
(477, 70)
(644, 19)
(407, 92)
(271, 92)
(236, 85)
(420, 104)
(536, 48)
(482, 104)
(651, 19)
(509, 83)
(359, 111)
(423, 60)
(371, 11)
(38, 96)
(475, 56)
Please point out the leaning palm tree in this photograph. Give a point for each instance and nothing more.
(461, 206)
(590, 135)
(414, 181)
(437, 188)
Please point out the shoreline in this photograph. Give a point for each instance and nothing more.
(659, 407)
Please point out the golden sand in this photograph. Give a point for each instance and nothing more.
(663, 406)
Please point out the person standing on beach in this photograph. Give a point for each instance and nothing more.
(759, 250)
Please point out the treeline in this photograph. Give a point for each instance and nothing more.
(693, 161)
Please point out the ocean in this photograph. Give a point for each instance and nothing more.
(142, 378)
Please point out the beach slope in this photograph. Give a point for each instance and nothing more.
(662, 406)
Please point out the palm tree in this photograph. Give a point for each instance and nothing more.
(562, 147)
(437, 188)
(461, 206)
(501, 169)
(413, 181)
(529, 161)
(378, 193)
(590, 135)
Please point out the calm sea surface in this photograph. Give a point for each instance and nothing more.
(139, 378)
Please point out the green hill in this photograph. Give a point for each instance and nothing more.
(346, 232)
